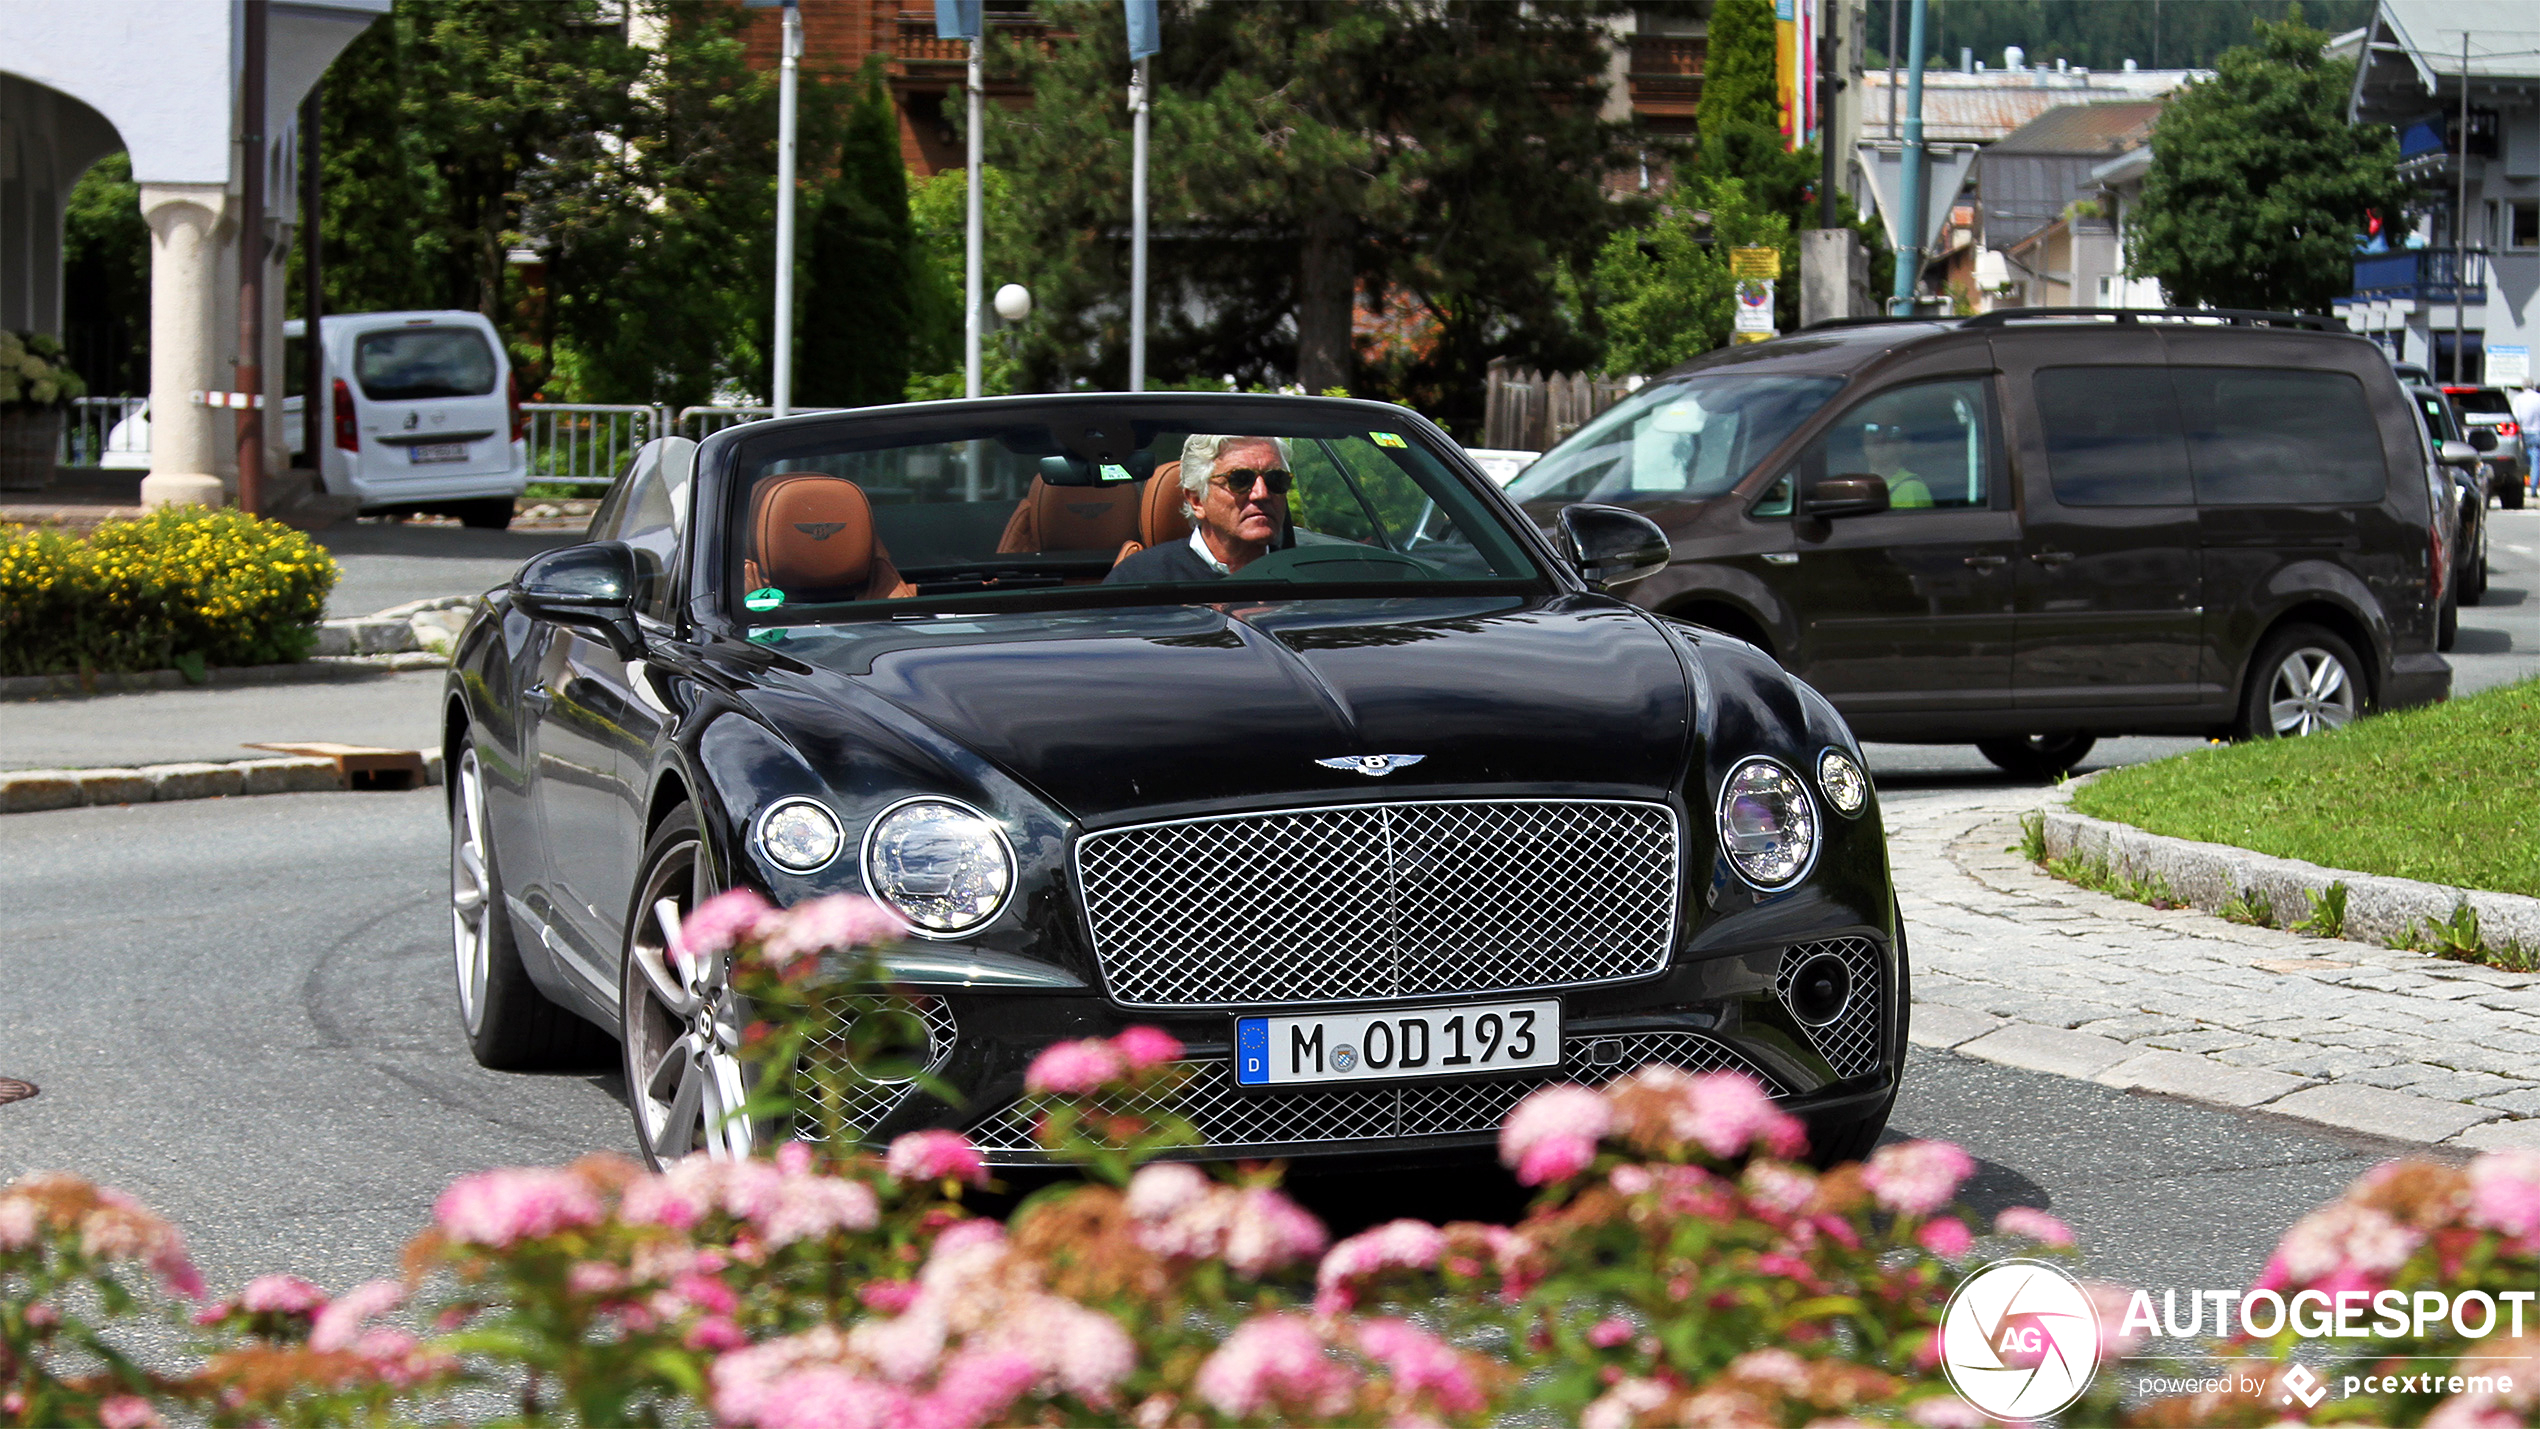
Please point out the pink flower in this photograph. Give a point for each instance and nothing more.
(1946, 1237)
(1071, 1348)
(2035, 1224)
(964, 1235)
(340, 1324)
(1162, 1188)
(2343, 1238)
(721, 921)
(1266, 1230)
(1630, 1179)
(1075, 1069)
(592, 1277)
(1916, 1178)
(936, 1156)
(1781, 1189)
(888, 1297)
(175, 1270)
(1948, 1412)
(1395, 1245)
(1622, 1406)
(974, 1389)
(2504, 1192)
(807, 1207)
(1146, 1047)
(1613, 1330)
(715, 1334)
(1552, 1134)
(837, 923)
(1274, 1363)
(1726, 1113)
(903, 1349)
(127, 1411)
(496, 1208)
(2473, 1411)
(281, 1295)
(17, 1222)
(1421, 1364)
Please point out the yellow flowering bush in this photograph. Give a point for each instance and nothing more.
(182, 587)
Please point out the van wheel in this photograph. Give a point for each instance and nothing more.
(2037, 756)
(2447, 624)
(2305, 681)
(493, 513)
(2511, 497)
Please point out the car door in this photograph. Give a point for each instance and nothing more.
(1907, 610)
(430, 401)
(2109, 586)
(597, 721)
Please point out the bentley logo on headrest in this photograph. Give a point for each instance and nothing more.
(820, 530)
(1088, 510)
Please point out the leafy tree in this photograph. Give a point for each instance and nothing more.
(106, 279)
(1665, 291)
(1739, 69)
(1315, 165)
(2259, 185)
(859, 316)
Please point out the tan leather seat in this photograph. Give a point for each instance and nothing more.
(811, 536)
(1161, 517)
(1072, 518)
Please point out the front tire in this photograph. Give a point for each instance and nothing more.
(2037, 756)
(677, 1022)
(492, 513)
(510, 1024)
(2305, 680)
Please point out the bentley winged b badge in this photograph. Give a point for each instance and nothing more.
(1374, 766)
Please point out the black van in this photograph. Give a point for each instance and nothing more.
(2033, 528)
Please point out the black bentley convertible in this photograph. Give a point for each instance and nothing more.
(1264, 720)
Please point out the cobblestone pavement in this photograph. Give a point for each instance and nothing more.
(2016, 967)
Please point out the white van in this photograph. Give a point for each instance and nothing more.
(420, 412)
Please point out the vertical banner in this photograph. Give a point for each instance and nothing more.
(1146, 30)
(959, 19)
(1789, 62)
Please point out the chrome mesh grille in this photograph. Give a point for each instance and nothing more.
(1850, 1043)
(1378, 901)
(1230, 1119)
(868, 1102)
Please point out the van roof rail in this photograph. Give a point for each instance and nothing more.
(1824, 324)
(2235, 317)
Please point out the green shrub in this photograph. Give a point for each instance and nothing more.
(182, 587)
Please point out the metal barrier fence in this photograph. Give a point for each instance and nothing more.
(89, 426)
(585, 443)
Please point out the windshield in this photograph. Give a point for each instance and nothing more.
(412, 364)
(850, 515)
(1676, 441)
(2480, 400)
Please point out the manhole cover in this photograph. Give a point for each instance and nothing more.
(12, 1090)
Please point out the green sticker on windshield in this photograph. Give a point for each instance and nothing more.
(764, 598)
(1388, 439)
(1114, 473)
(772, 635)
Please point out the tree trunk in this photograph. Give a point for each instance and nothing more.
(1326, 287)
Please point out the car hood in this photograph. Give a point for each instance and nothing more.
(1116, 709)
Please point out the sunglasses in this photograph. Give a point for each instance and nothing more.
(1239, 481)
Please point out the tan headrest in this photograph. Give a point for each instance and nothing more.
(1162, 518)
(811, 536)
(1071, 518)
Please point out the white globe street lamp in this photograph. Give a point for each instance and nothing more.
(1014, 302)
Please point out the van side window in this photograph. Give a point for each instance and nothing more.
(2112, 436)
(2272, 436)
(1932, 442)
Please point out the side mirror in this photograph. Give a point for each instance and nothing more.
(1852, 494)
(1613, 547)
(2483, 438)
(2456, 453)
(590, 586)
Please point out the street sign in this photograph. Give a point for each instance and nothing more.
(1754, 321)
(2508, 366)
(1945, 165)
(1755, 263)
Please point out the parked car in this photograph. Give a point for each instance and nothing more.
(1412, 775)
(422, 411)
(2490, 409)
(2469, 472)
(2036, 530)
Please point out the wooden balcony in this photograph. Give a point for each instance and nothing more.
(918, 47)
(1666, 75)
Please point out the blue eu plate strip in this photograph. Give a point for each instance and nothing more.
(1252, 1051)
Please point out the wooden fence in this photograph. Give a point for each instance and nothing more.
(1529, 411)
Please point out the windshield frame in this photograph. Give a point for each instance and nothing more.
(728, 460)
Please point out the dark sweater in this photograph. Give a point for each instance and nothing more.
(1172, 561)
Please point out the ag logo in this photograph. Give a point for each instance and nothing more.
(2020, 1340)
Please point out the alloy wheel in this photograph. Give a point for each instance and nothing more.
(2311, 691)
(680, 1029)
(472, 910)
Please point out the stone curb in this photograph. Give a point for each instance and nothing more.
(27, 791)
(2207, 876)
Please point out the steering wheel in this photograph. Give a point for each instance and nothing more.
(1338, 563)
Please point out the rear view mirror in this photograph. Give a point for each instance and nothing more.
(1613, 547)
(2483, 438)
(1852, 494)
(590, 586)
(2454, 453)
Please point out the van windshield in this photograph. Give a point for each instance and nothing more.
(1676, 441)
(413, 364)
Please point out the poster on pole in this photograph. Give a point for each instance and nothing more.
(2508, 366)
(1754, 321)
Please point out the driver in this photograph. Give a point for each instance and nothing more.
(1235, 491)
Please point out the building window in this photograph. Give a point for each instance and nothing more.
(2522, 225)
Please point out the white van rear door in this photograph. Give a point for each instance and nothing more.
(431, 402)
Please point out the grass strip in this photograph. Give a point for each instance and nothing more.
(2447, 793)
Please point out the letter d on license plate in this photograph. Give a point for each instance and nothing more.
(1397, 1043)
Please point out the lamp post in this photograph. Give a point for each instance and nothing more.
(782, 376)
(1909, 260)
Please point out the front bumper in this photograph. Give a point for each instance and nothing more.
(2423, 678)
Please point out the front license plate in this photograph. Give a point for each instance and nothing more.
(436, 451)
(1395, 1043)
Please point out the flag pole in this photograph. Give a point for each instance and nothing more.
(1138, 230)
(975, 232)
(781, 377)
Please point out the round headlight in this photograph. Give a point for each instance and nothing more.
(799, 835)
(1847, 788)
(944, 866)
(1767, 825)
